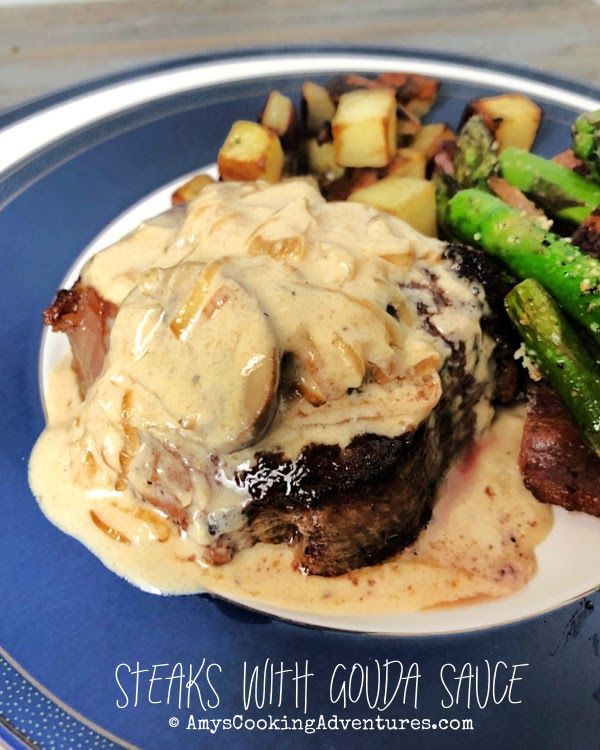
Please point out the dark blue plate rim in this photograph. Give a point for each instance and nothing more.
(30, 697)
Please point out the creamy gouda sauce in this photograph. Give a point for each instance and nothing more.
(188, 395)
(480, 543)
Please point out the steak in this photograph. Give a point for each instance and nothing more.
(556, 464)
(344, 508)
(473, 264)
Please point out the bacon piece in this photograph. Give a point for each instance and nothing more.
(513, 196)
(86, 318)
(444, 158)
(568, 160)
(556, 465)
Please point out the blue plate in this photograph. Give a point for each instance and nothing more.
(72, 633)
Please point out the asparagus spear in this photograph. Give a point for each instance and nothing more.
(560, 191)
(586, 141)
(529, 250)
(554, 347)
(475, 159)
(467, 162)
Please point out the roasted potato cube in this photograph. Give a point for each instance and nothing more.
(408, 163)
(191, 189)
(364, 128)
(515, 117)
(317, 106)
(279, 115)
(408, 198)
(321, 159)
(430, 137)
(251, 152)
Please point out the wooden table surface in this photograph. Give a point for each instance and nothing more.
(48, 46)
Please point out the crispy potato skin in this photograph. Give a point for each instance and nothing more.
(279, 115)
(191, 189)
(251, 152)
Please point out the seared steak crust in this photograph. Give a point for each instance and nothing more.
(556, 465)
(86, 318)
(473, 263)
